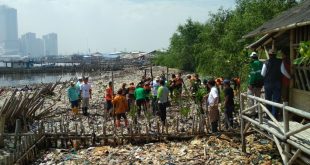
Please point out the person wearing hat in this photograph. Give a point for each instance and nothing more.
(228, 104)
(73, 95)
(272, 71)
(255, 79)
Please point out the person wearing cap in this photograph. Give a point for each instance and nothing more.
(86, 93)
(272, 71)
(228, 104)
(255, 80)
(121, 105)
(73, 95)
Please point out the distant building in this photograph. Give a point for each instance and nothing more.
(8, 30)
(31, 46)
(50, 43)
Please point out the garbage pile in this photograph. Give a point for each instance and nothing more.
(208, 150)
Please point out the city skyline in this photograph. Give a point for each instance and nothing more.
(8, 30)
(107, 26)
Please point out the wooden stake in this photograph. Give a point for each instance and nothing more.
(17, 131)
(177, 129)
(2, 124)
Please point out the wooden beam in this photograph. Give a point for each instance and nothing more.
(294, 157)
(272, 117)
(288, 134)
(2, 124)
(280, 149)
(249, 109)
(265, 127)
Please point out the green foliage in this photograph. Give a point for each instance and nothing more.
(200, 94)
(184, 111)
(133, 111)
(304, 51)
(216, 48)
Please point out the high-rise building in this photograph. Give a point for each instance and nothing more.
(31, 46)
(50, 43)
(8, 30)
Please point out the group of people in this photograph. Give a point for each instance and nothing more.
(154, 95)
(146, 94)
(273, 76)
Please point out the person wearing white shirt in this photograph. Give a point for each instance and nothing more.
(272, 71)
(213, 100)
(155, 86)
(86, 93)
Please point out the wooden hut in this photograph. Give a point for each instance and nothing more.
(287, 31)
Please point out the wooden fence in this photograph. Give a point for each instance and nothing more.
(292, 138)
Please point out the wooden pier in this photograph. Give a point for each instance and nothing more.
(291, 138)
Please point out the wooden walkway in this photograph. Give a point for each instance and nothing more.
(292, 138)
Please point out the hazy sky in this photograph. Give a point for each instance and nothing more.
(110, 25)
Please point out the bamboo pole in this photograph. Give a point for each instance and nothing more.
(294, 157)
(286, 129)
(2, 124)
(280, 149)
(243, 140)
(17, 131)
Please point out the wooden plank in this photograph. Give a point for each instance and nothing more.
(300, 100)
(307, 78)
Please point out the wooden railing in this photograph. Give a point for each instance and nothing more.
(276, 130)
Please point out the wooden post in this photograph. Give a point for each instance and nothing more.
(260, 114)
(193, 126)
(152, 72)
(2, 123)
(243, 142)
(144, 73)
(286, 123)
(166, 122)
(292, 57)
(167, 74)
(177, 129)
(17, 131)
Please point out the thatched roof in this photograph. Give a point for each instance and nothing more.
(292, 18)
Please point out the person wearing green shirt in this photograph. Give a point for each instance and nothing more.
(162, 96)
(140, 98)
(255, 79)
(73, 95)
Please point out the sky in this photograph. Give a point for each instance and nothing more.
(110, 25)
